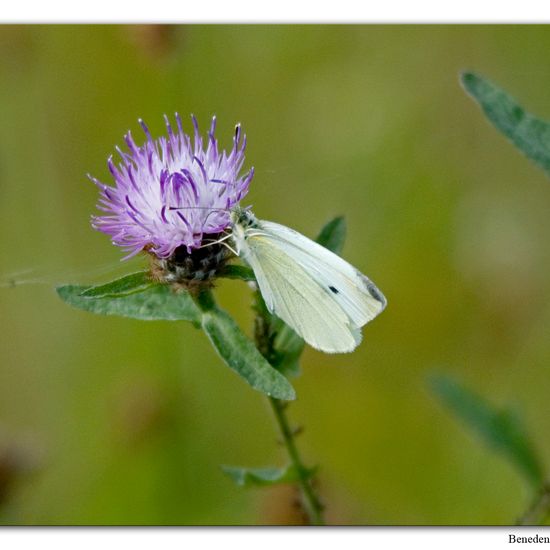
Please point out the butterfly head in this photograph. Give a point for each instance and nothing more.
(243, 217)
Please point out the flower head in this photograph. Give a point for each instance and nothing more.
(171, 192)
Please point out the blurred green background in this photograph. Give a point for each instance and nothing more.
(110, 421)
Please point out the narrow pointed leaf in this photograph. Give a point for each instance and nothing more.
(158, 302)
(260, 477)
(288, 348)
(333, 235)
(240, 354)
(287, 344)
(528, 133)
(129, 284)
(502, 430)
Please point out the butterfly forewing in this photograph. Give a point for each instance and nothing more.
(351, 290)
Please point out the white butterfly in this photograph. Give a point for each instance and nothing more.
(318, 294)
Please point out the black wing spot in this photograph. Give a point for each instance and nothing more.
(375, 293)
(333, 289)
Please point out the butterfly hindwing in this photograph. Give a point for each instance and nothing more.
(292, 294)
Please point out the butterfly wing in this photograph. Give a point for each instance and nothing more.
(355, 293)
(322, 297)
(291, 294)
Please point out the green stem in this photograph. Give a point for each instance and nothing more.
(539, 509)
(312, 504)
(204, 299)
(264, 342)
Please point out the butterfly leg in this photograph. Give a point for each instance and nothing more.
(222, 242)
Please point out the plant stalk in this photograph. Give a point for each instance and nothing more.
(312, 504)
(538, 511)
(264, 342)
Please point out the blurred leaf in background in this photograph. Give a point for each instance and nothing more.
(529, 134)
(500, 429)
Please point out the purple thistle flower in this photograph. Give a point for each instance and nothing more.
(172, 191)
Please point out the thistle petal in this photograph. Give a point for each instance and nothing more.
(192, 178)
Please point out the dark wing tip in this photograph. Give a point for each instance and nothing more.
(376, 294)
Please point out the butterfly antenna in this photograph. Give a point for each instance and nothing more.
(199, 208)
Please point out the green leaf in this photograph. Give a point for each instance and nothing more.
(232, 271)
(333, 235)
(501, 430)
(260, 477)
(240, 354)
(129, 284)
(529, 134)
(288, 346)
(158, 302)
